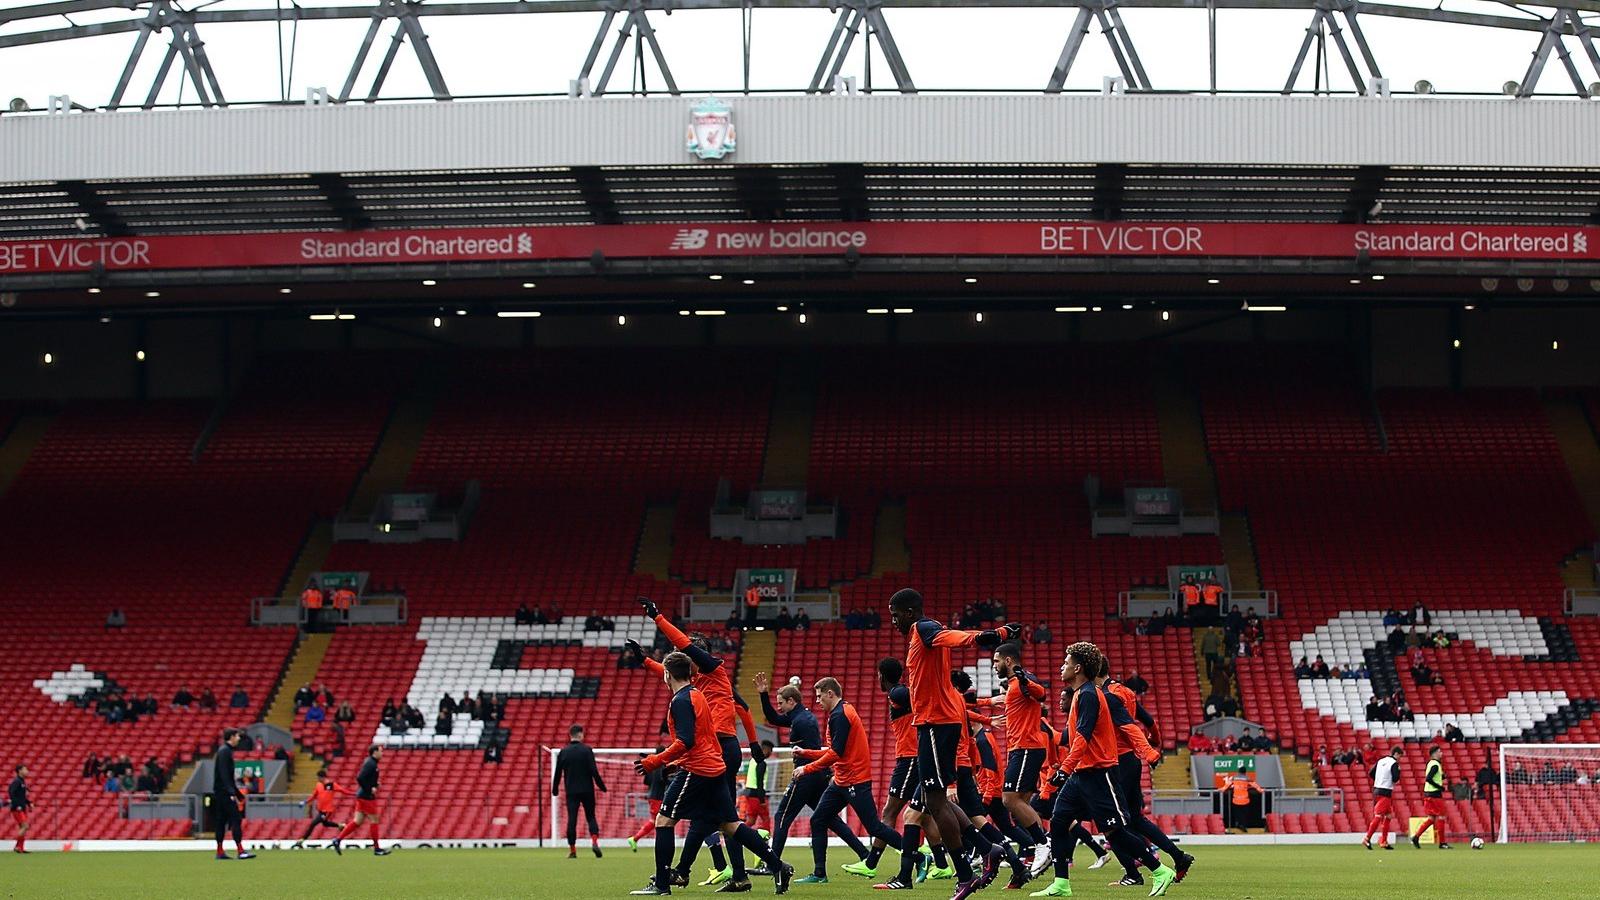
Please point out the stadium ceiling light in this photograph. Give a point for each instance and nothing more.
(1456, 343)
(714, 277)
(461, 312)
(519, 314)
(1555, 345)
(749, 281)
(139, 355)
(1378, 277)
(783, 309)
(428, 282)
(94, 290)
(802, 318)
(1355, 281)
(152, 294)
(1094, 309)
(322, 317)
(1127, 306)
(1266, 308)
(438, 322)
(1166, 316)
(49, 359)
(970, 280)
(528, 285)
(622, 320)
(710, 312)
(1072, 309)
(105, 320)
(285, 290)
(877, 312)
(1213, 281)
(903, 311)
(347, 317)
(977, 317)
(1469, 307)
(683, 312)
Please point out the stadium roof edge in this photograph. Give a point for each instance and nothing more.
(803, 130)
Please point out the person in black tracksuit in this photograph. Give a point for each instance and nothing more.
(368, 810)
(227, 799)
(576, 763)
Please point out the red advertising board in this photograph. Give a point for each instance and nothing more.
(573, 242)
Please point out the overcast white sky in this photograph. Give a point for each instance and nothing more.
(1013, 49)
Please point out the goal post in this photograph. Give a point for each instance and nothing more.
(625, 806)
(1549, 793)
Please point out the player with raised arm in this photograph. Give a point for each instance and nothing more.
(713, 678)
(1433, 786)
(20, 805)
(1023, 705)
(1385, 775)
(1090, 792)
(940, 715)
(367, 808)
(804, 790)
(1134, 752)
(699, 792)
(849, 755)
(323, 800)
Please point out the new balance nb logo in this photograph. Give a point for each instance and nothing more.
(689, 239)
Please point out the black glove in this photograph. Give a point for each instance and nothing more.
(1058, 779)
(649, 607)
(638, 767)
(1158, 761)
(988, 640)
(755, 750)
(634, 646)
(1010, 632)
(1021, 675)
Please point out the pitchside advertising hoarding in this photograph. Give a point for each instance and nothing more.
(578, 242)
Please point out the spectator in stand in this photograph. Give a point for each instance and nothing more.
(1041, 634)
(1189, 594)
(1136, 683)
(538, 616)
(240, 699)
(338, 737)
(447, 705)
(1243, 649)
(316, 713)
(1233, 624)
(1375, 710)
(1391, 618)
(116, 619)
(469, 707)
(1420, 615)
(855, 620)
(734, 623)
(1302, 669)
(1199, 743)
(553, 616)
(1319, 669)
(1396, 641)
(1452, 734)
(1229, 743)
(1211, 595)
(182, 699)
(389, 710)
(444, 724)
(1252, 619)
(524, 615)
(208, 700)
(968, 619)
(1211, 647)
(1322, 754)
(1211, 708)
(113, 785)
(326, 696)
(1228, 706)
(312, 597)
(874, 620)
(784, 622)
(345, 713)
(803, 621)
(594, 622)
(303, 697)
(491, 753)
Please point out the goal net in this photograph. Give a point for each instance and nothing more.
(624, 809)
(1549, 792)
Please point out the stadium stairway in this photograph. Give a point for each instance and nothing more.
(303, 666)
(1239, 552)
(397, 446)
(1183, 439)
(890, 554)
(1297, 772)
(18, 445)
(1174, 773)
(313, 553)
(1579, 450)
(788, 451)
(758, 652)
(654, 554)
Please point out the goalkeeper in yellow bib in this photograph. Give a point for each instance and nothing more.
(1433, 787)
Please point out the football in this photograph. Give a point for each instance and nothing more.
(1477, 843)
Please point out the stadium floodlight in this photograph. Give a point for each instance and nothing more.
(710, 312)
(461, 312)
(970, 280)
(977, 317)
(519, 314)
(285, 290)
(802, 318)
(138, 355)
(1455, 344)
(783, 309)
(94, 290)
(1355, 281)
(1423, 87)
(683, 312)
(622, 320)
(877, 311)
(1072, 309)
(152, 294)
(749, 281)
(1510, 88)
(347, 317)
(428, 282)
(1249, 308)
(528, 285)
(714, 277)
(1127, 306)
(1166, 316)
(438, 322)
(49, 359)
(1555, 345)
(1536, 809)
(1378, 277)
(903, 311)
(105, 320)
(1213, 281)
(322, 317)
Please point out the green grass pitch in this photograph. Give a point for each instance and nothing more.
(1541, 872)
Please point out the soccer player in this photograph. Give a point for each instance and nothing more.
(1433, 784)
(367, 808)
(806, 790)
(1090, 792)
(576, 763)
(227, 798)
(17, 799)
(902, 785)
(940, 714)
(1134, 752)
(699, 792)
(713, 678)
(1044, 803)
(753, 802)
(985, 838)
(1024, 745)
(849, 755)
(1385, 775)
(655, 784)
(323, 797)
